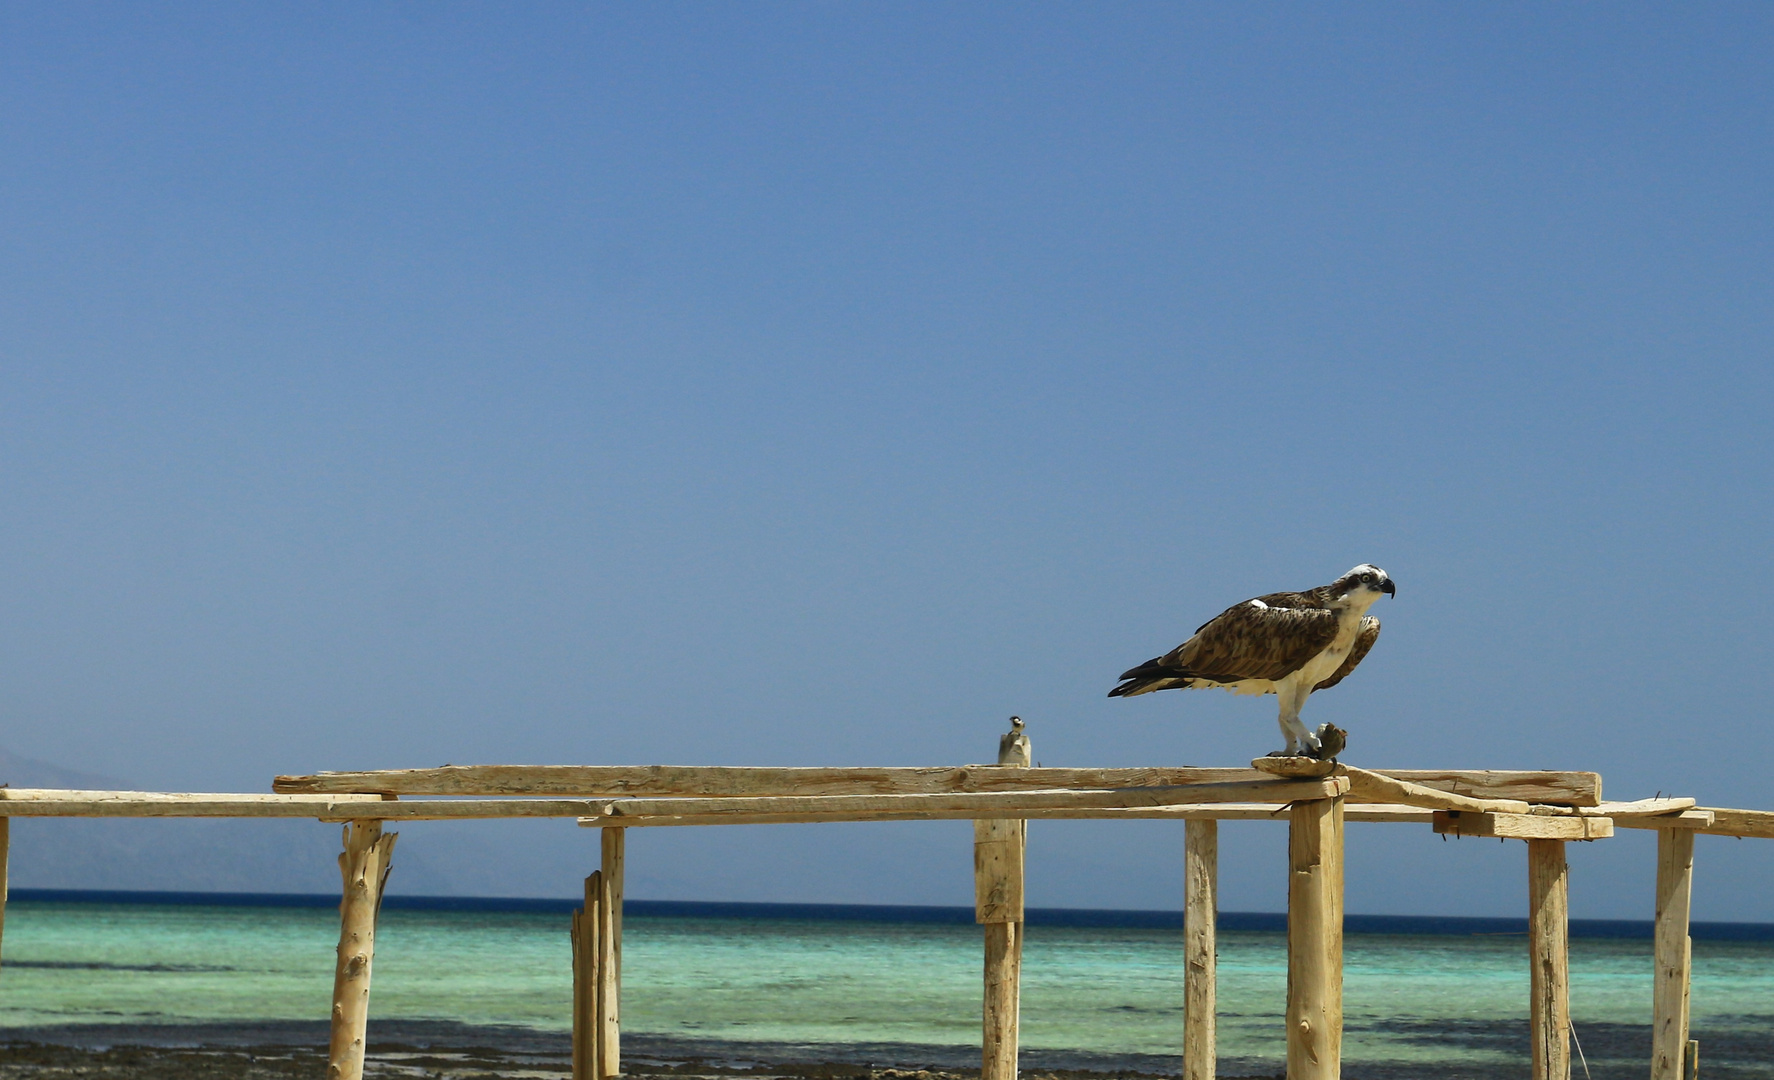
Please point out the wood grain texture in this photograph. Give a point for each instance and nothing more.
(1187, 812)
(1373, 787)
(602, 781)
(5, 861)
(1740, 822)
(998, 1037)
(364, 867)
(614, 850)
(1549, 1005)
(1201, 905)
(1523, 826)
(1672, 952)
(998, 849)
(1315, 941)
(588, 946)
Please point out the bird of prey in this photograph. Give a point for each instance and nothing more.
(1287, 644)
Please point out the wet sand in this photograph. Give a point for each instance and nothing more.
(450, 1051)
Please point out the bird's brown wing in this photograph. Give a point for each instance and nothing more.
(1364, 640)
(1250, 642)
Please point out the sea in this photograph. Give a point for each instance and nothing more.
(888, 986)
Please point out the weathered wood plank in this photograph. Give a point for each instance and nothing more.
(1373, 787)
(1201, 906)
(1523, 826)
(1188, 812)
(998, 803)
(1740, 822)
(1698, 820)
(602, 781)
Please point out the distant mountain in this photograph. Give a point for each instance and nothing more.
(18, 771)
(243, 855)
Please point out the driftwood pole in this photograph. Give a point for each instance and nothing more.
(609, 953)
(1315, 940)
(1201, 862)
(998, 848)
(1674, 951)
(1549, 1009)
(364, 865)
(588, 951)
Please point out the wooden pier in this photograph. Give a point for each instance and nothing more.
(1316, 800)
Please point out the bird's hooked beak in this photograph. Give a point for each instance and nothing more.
(1388, 588)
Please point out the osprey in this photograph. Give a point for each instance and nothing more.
(1287, 644)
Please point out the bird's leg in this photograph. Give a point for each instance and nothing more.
(1292, 748)
(1297, 734)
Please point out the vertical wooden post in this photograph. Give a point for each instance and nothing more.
(364, 866)
(5, 861)
(998, 849)
(609, 955)
(1549, 1009)
(1669, 994)
(1315, 940)
(1201, 905)
(588, 950)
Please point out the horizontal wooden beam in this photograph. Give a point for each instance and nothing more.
(1739, 822)
(1522, 826)
(972, 805)
(1696, 820)
(1191, 812)
(607, 781)
(53, 802)
(1376, 787)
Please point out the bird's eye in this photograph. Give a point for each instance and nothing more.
(1367, 579)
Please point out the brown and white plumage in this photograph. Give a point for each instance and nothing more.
(1288, 644)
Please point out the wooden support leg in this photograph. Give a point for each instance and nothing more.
(998, 850)
(610, 953)
(5, 861)
(1315, 940)
(1549, 1009)
(998, 904)
(1669, 995)
(1201, 875)
(588, 952)
(364, 865)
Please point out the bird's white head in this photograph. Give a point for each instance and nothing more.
(1363, 585)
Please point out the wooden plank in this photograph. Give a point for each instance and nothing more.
(1315, 941)
(604, 781)
(364, 867)
(614, 851)
(1698, 820)
(1201, 906)
(1372, 787)
(1672, 951)
(1725, 822)
(1549, 1008)
(1523, 826)
(998, 803)
(1188, 812)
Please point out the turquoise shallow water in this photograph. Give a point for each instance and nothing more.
(1110, 991)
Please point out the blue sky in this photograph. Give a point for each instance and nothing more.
(820, 384)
